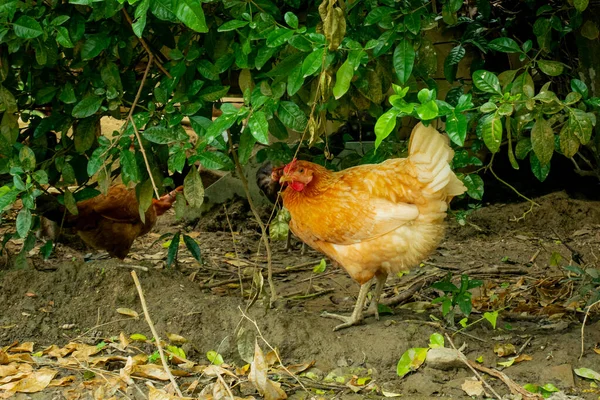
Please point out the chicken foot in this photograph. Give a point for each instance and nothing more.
(357, 314)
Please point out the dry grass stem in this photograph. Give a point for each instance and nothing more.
(155, 334)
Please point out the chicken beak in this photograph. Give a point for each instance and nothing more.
(285, 178)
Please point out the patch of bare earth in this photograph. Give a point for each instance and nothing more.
(66, 300)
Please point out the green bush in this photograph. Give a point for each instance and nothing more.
(297, 65)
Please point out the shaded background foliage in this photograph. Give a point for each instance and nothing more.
(302, 69)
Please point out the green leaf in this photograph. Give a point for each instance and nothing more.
(411, 360)
(572, 98)
(542, 140)
(70, 202)
(87, 106)
(191, 14)
(550, 68)
(428, 110)
(23, 223)
(291, 116)
(451, 62)
(193, 189)
(436, 341)
(320, 267)
(8, 100)
(295, 80)
(84, 132)
(587, 373)
(488, 107)
(279, 36)
(456, 127)
(486, 82)
(46, 249)
(474, 185)
(506, 77)
(580, 5)
(259, 127)
(343, 78)
(377, 14)
(569, 143)
(491, 317)
(193, 248)
(291, 19)
(27, 158)
(214, 357)
(62, 37)
(27, 28)
(277, 129)
(215, 160)
(580, 124)
(540, 171)
(173, 249)
(404, 60)
(505, 109)
(245, 146)
(490, 127)
(143, 193)
(162, 135)
(67, 94)
(523, 148)
(312, 63)
(505, 45)
(523, 84)
(94, 45)
(232, 25)
(111, 76)
(579, 87)
(213, 93)
(385, 125)
(129, 168)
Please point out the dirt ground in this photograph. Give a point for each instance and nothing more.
(521, 263)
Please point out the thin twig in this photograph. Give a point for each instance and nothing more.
(583, 325)
(464, 359)
(234, 249)
(147, 48)
(263, 229)
(137, 135)
(533, 203)
(155, 334)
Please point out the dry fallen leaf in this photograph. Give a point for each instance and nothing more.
(159, 394)
(258, 377)
(125, 372)
(26, 347)
(34, 382)
(151, 371)
(523, 357)
(64, 381)
(472, 387)
(3, 358)
(124, 340)
(129, 312)
(504, 349)
(176, 339)
(8, 370)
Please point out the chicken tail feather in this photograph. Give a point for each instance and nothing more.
(430, 153)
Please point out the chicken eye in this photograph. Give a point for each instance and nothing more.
(301, 170)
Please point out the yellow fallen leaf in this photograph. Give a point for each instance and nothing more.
(129, 312)
(64, 381)
(151, 371)
(7, 370)
(3, 358)
(26, 347)
(35, 382)
(176, 339)
(472, 387)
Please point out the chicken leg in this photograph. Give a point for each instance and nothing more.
(373, 307)
(357, 314)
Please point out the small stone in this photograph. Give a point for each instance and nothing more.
(561, 374)
(444, 358)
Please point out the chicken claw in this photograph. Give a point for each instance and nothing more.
(348, 321)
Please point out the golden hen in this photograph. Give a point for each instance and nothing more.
(108, 222)
(374, 220)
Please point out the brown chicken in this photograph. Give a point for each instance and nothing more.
(108, 222)
(374, 220)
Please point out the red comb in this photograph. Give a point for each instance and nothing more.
(286, 169)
